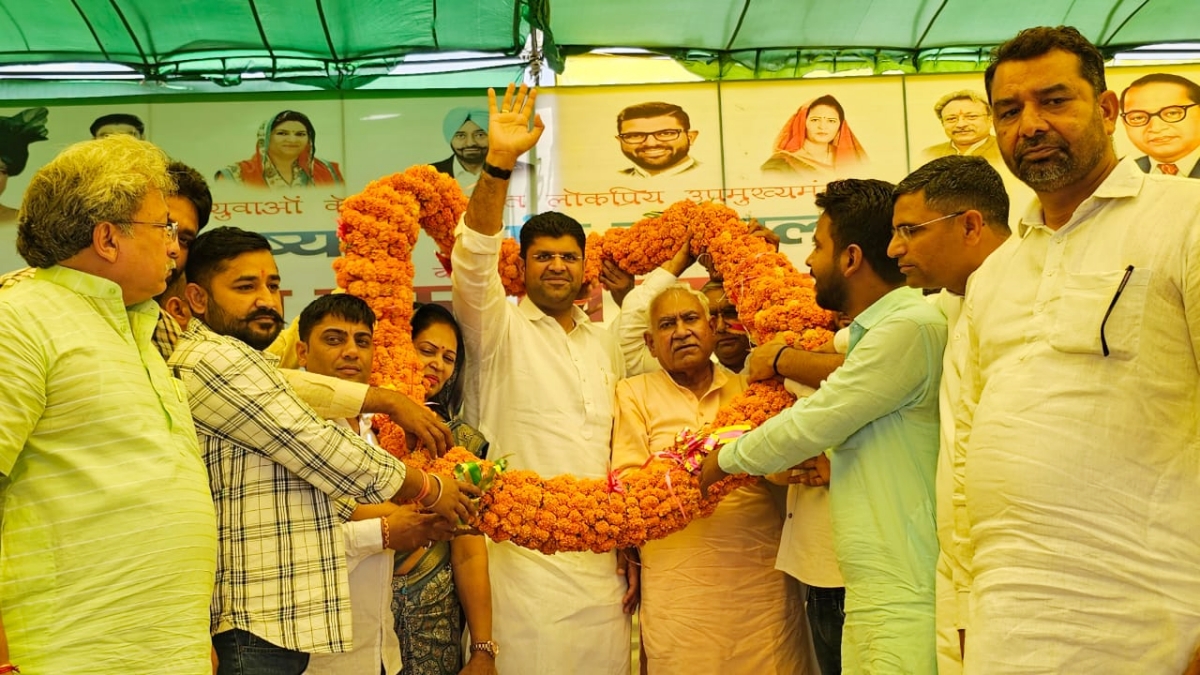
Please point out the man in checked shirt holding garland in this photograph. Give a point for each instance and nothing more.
(276, 468)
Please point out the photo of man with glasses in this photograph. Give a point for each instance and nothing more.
(966, 118)
(657, 138)
(1157, 112)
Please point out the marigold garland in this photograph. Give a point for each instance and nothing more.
(378, 229)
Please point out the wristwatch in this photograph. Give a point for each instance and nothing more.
(486, 646)
(496, 172)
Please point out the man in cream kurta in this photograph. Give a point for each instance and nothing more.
(711, 598)
(1080, 391)
(543, 395)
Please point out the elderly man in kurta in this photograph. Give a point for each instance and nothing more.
(712, 600)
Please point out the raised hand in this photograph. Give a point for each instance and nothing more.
(509, 132)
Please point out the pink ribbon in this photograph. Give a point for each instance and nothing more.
(689, 452)
(614, 483)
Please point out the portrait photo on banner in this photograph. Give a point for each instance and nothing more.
(620, 152)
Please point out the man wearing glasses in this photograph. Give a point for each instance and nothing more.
(966, 118)
(1080, 393)
(950, 215)
(109, 529)
(1157, 110)
(657, 138)
(542, 390)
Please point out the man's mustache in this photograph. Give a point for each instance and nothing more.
(265, 314)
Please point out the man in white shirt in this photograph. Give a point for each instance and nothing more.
(657, 137)
(1080, 389)
(543, 395)
(949, 216)
(337, 340)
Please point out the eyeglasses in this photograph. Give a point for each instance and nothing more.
(639, 137)
(905, 231)
(1111, 305)
(567, 258)
(171, 227)
(1170, 114)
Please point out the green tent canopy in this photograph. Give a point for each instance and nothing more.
(256, 45)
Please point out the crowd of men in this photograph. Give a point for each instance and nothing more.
(991, 469)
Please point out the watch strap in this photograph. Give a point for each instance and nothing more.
(485, 646)
(496, 172)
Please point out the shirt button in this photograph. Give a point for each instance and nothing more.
(789, 515)
(1049, 273)
(1037, 309)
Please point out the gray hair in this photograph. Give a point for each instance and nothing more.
(91, 182)
(679, 288)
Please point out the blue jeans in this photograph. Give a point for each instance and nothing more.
(826, 609)
(244, 653)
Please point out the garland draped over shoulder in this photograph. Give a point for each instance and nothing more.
(378, 228)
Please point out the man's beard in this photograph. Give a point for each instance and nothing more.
(1070, 166)
(832, 295)
(476, 156)
(224, 323)
(677, 155)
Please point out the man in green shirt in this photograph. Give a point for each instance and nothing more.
(108, 550)
(878, 413)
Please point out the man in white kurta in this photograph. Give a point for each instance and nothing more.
(1080, 391)
(543, 395)
(949, 216)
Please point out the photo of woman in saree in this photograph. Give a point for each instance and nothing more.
(16, 133)
(285, 156)
(817, 141)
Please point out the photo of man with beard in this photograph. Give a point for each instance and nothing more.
(657, 138)
(466, 130)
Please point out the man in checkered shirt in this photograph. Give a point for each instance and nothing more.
(276, 468)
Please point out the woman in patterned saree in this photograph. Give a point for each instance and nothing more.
(435, 586)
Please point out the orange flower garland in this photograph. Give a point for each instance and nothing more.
(378, 228)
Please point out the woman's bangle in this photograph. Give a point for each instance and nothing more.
(9, 668)
(775, 363)
(387, 534)
(439, 492)
(424, 487)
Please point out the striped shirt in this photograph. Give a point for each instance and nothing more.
(108, 546)
(275, 470)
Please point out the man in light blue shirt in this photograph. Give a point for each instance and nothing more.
(879, 415)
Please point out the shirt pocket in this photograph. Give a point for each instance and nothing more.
(1078, 316)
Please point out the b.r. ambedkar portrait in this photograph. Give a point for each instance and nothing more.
(1156, 111)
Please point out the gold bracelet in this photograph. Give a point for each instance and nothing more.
(387, 534)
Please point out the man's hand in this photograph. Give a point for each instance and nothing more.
(615, 280)
(419, 421)
(481, 663)
(409, 528)
(454, 503)
(765, 233)
(813, 472)
(761, 364)
(682, 259)
(509, 133)
(711, 471)
(629, 566)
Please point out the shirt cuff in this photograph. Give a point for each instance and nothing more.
(730, 459)
(476, 242)
(363, 537)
